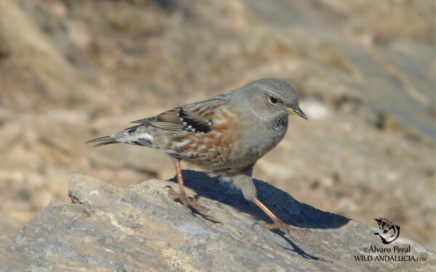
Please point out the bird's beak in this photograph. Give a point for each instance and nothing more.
(296, 110)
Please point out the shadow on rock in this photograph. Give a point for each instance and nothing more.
(291, 211)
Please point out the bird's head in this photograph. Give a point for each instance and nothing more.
(271, 97)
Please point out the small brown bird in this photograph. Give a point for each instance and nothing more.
(225, 134)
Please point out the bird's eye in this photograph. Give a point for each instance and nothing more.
(273, 100)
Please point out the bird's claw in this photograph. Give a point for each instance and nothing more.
(284, 228)
(187, 201)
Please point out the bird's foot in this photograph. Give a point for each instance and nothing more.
(280, 225)
(187, 201)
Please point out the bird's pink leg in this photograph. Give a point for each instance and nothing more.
(179, 178)
(278, 223)
(187, 201)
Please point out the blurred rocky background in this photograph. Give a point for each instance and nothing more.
(365, 70)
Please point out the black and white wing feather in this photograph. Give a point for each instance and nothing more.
(195, 118)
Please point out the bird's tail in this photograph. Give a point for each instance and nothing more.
(103, 141)
(137, 135)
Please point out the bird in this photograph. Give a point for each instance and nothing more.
(225, 135)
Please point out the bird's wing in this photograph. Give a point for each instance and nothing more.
(196, 117)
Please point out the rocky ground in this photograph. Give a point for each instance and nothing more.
(365, 70)
(136, 228)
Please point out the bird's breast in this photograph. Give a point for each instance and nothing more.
(261, 136)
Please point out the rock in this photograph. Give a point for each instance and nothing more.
(316, 110)
(140, 228)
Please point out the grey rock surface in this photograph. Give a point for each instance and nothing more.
(140, 228)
